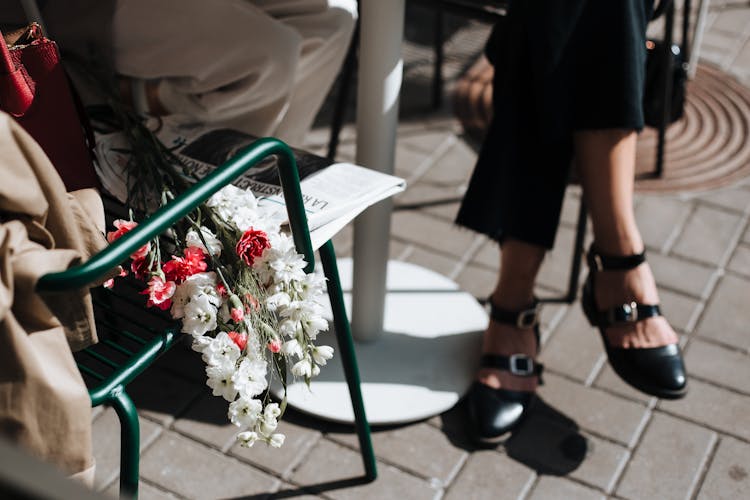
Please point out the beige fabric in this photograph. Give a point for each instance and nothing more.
(261, 66)
(44, 404)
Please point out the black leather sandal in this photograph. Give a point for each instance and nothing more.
(658, 371)
(495, 412)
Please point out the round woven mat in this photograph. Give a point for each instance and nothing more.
(708, 147)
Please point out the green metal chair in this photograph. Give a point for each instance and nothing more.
(131, 341)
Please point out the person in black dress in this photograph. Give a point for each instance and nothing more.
(567, 93)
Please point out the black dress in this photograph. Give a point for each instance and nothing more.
(560, 66)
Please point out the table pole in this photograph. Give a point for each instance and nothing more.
(379, 84)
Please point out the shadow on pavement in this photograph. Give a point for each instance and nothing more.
(547, 441)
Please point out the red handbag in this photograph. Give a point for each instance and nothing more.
(34, 89)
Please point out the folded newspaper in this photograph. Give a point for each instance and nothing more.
(333, 193)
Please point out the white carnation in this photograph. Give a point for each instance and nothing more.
(322, 353)
(220, 380)
(244, 412)
(212, 246)
(276, 440)
(221, 351)
(250, 377)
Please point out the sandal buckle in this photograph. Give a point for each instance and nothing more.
(626, 313)
(522, 365)
(527, 318)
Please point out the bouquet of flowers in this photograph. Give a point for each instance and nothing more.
(235, 282)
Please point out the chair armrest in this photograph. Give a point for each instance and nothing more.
(97, 266)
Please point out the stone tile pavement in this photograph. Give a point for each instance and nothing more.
(589, 436)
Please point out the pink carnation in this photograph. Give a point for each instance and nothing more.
(274, 346)
(160, 293)
(237, 314)
(239, 338)
(123, 227)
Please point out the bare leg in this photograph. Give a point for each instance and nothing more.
(606, 165)
(519, 265)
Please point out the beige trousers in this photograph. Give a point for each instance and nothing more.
(261, 66)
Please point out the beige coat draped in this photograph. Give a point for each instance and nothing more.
(44, 404)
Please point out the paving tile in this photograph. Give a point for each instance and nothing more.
(429, 232)
(454, 168)
(594, 410)
(425, 141)
(206, 421)
(440, 263)
(681, 275)
(728, 475)
(735, 198)
(680, 310)
(196, 471)
(409, 162)
(476, 280)
(574, 348)
(609, 380)
(558, 488)
(746, 236)
(718, 365)
(555, 271)
(718, 48)
(740, 261)
(334, 471)
(492, 476)
(488, 255)
(570, 207)
(290, 491)
(145, 492)
(734, 21)
(658, 217)
(713, 407)
(669, 460)
(727, 314)
(707, 235)
(280, 461)
(106, 444)
(556, 447)
(423, 195)
(420, 449)
(160, 395)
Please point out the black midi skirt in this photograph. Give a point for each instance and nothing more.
(560, 66)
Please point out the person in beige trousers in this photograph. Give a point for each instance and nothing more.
(260, 66)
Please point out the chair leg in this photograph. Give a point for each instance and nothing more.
(437, 75)
(342, 98)
(575, 267)
(348, 357)
(129, 444)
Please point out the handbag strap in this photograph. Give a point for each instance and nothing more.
(16, 88)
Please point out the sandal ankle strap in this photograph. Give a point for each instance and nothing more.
(518, 364)
(627, 313)
(601, 262)
(524, 319)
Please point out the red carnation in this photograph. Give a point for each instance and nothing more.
(180, 268)
(251, 245)
(140, 268)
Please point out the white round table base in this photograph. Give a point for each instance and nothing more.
(420, 367)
